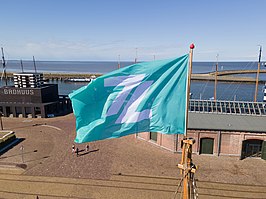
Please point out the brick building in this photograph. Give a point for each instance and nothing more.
(220, 128)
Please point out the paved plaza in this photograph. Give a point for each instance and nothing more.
(115, 168)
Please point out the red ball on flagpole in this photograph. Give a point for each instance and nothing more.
(192, 46)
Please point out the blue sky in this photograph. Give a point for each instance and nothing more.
(105, 29)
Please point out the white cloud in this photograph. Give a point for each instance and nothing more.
(91, 50)
(109, 50)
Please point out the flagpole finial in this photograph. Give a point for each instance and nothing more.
(192, 46)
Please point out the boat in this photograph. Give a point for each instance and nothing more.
(78, 80)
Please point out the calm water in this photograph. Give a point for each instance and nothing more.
(65, 66)
(200, 89)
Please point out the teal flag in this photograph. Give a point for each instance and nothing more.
(143, 97)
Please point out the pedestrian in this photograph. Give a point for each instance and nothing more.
(73, 148)
(77, 151)
(87, 148)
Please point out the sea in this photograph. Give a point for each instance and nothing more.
(199, 89)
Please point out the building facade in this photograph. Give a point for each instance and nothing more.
(29, 97)
(240, 133)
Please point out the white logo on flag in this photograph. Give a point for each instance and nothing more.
(129, 113)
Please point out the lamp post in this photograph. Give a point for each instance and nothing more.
(1, 114)
(22, 151)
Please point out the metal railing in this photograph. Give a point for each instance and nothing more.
(227, 107)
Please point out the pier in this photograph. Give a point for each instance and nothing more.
(210, 77)
(224, 76)
(227, 76)
(234, 72)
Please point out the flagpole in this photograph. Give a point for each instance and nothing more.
(187, 167)
(188, 84)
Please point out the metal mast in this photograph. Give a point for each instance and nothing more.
(118, 61)
(21, 65)
(4, 65)
(216, 73)
(258, 73)
(136, 58)
(34, 65)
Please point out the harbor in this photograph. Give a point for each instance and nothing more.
(133, 99)
(33, 89)
(201, 87)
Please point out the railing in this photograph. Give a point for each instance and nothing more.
(227, 107)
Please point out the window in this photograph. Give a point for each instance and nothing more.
(206, 145)
(251, 148)
(153, 136)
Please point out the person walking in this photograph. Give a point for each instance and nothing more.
(87, 148)
(73, 148)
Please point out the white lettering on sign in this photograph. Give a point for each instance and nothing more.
(18, 92)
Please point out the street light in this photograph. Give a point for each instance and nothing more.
(1, 114)
(22, 151)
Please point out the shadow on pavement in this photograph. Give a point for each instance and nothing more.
(10, 146)
(37, 159)
(18, 154)
(92, 151)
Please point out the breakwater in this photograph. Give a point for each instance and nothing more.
(207, 77)
(223, 76)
